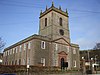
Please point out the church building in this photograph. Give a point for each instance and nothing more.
(49, 47)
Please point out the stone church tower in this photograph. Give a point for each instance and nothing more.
(54, 23)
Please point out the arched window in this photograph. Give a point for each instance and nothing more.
(43, 44)
(60, 21)
(45, 21)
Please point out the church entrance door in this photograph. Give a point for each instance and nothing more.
(62, 57)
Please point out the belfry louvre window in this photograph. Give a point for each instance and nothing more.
(45, 21)
(60, 21)
(43, 44)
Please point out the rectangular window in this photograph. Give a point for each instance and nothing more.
(16, 49)
(42, 44)
(15, 62)
(20, 48)
(24, 46)
(43, 61)
(29, 45)
(8, 52)
(13, 50)
(74, 63)
(19, 61)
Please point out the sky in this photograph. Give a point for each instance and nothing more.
(19, 19)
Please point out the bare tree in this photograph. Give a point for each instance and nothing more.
(97, 46)
(2, 44)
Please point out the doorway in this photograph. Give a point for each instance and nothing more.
(62, 57)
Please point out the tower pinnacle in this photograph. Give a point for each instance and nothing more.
(41, 12)
(66, 11)
(46, 7)
(52, 3)
(59, 7)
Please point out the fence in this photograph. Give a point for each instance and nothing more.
(22, 70)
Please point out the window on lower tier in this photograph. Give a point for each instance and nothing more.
(19, 61)
(74, 63)
(15, 62)
(43, 44)
(43, 61)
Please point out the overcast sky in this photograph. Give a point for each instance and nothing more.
(19, 19)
